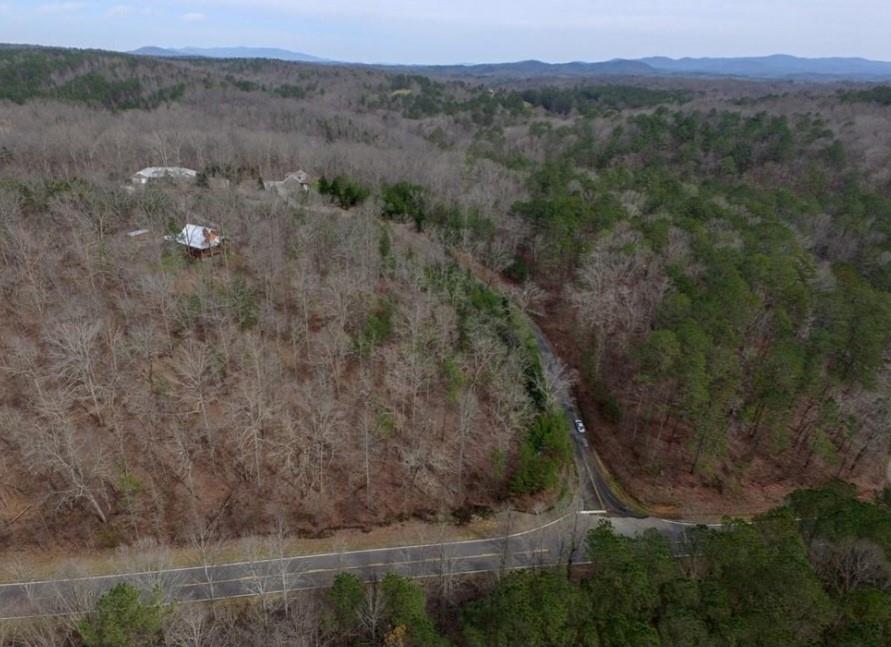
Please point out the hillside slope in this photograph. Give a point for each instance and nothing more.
(711, 259)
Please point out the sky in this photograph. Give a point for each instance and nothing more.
(464, 31)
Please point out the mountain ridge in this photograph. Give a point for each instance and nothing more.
(773, 66)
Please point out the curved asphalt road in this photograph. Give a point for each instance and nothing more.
(596, 490)
(557, 542)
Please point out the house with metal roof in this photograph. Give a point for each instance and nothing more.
(153, 173)
(199, 240)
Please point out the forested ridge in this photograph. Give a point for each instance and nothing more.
(119, 81)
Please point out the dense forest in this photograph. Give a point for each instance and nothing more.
(333, 363)
(711, 259)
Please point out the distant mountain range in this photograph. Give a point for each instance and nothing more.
(228, 52)
(526, 69)
(777, 66)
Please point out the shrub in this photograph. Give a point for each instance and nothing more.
(377, 328)
(404, 200)
(543, 454)
(123, 619)
(345, 192)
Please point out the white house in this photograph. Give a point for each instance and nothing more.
(200, 240)
(160, 172)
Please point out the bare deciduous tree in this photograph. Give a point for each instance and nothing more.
(75, 353)
(194, 369)
(55, 446)
(191, 626)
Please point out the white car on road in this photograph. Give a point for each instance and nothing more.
(579, 426)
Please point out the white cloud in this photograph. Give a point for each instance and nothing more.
(122, 10)
(527, 14)
(193, 16)
(60, 7)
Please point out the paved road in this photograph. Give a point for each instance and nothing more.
(595, 488)
(553, 543)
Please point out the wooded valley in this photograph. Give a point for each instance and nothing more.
(711, 260)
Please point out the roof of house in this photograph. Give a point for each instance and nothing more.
(198, 237)
(165, 171)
